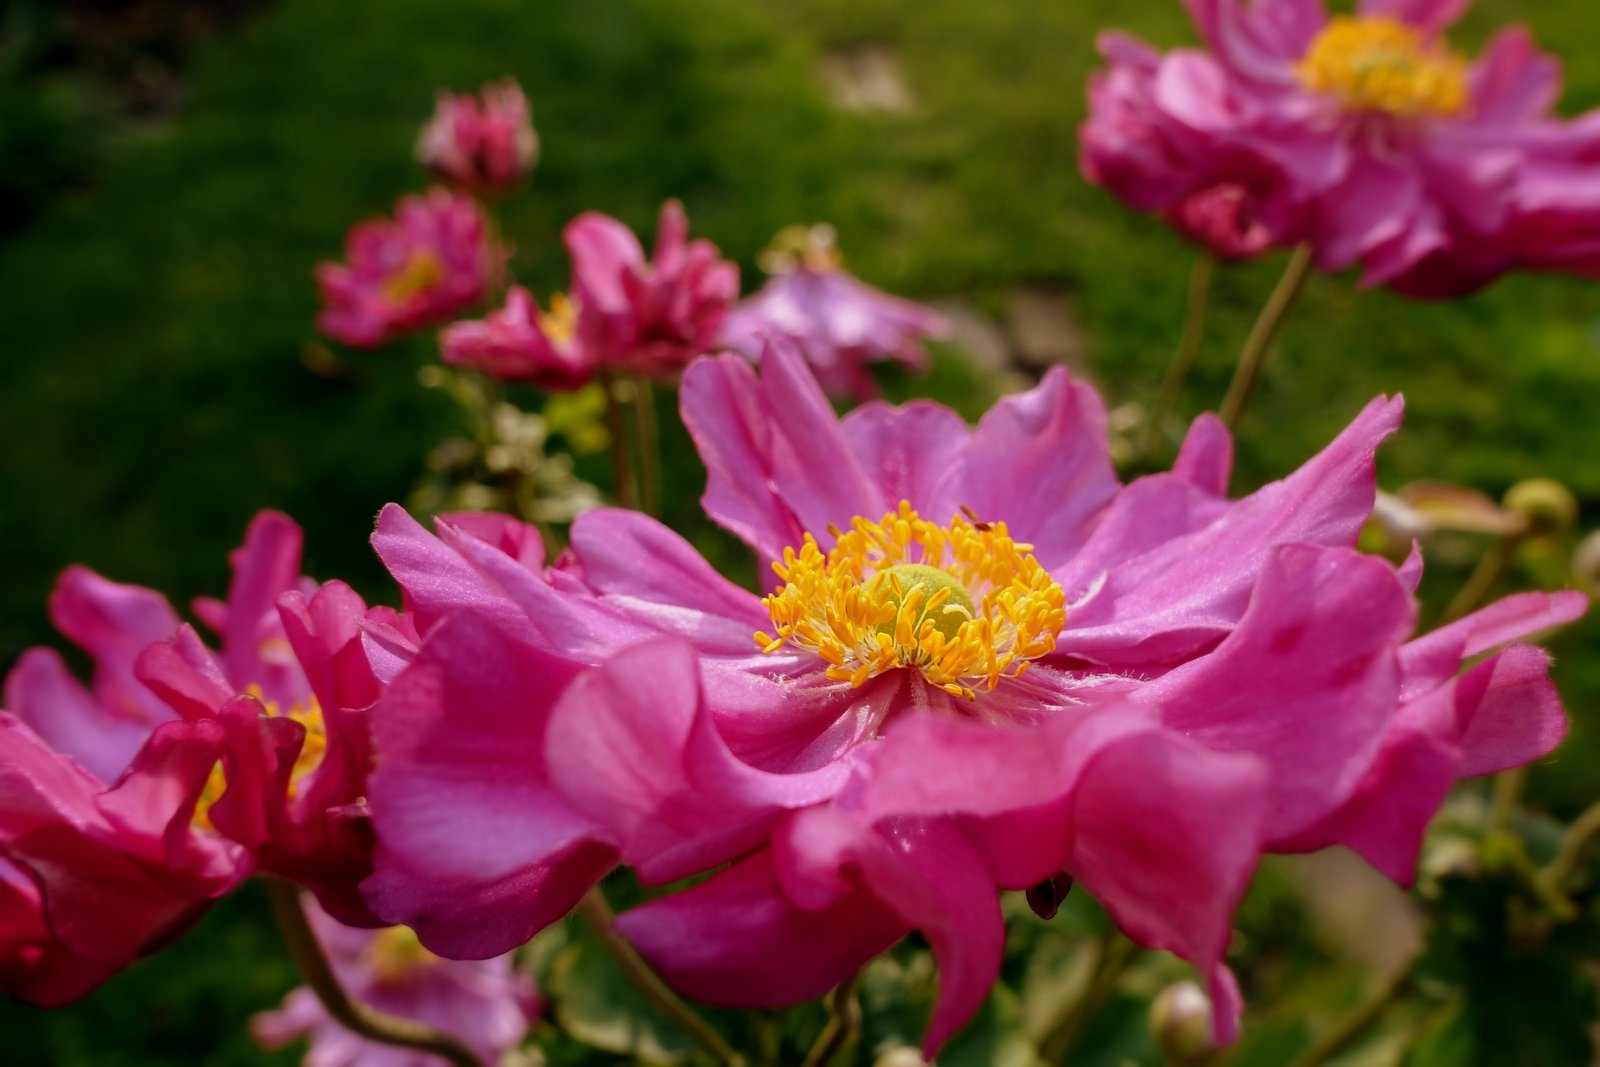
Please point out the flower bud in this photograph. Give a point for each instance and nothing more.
(1545, 505)
(1586, 563)
(1180, 1019)
(904, 1056)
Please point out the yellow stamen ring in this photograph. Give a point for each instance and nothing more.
(963, 604)
(1382, 64)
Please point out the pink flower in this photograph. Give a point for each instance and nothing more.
(483, 143)
(431, 261)
(487, 1004)
(647, 317)
(838, 323)
(101, 857)
(1159, 157)
(1138, 687)
(1367, 136)
(521, 343)
(300, 664)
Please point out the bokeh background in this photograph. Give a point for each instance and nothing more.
(171, 170)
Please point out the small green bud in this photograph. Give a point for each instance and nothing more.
(1180, 1019)
(1545, 505)
(1586, 563)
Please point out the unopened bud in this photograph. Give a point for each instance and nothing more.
(904, 1056)
(1586, 563)
(1546, 505)
(1180, 1019)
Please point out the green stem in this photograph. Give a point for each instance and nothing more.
(1490, 567)
(600, 916)
(353, 1015)
(1261, 335)
(1347, 1029)
(1194, 329)
(648, 440)
(625, 488)
(844, 1015)
(1116, 954)
(1579, 834)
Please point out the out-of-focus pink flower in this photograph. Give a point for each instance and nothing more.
(487, 1004)
(837, 322)
(299, 666)
(432, 260)
(101, 857)
(1366, 136)
(652, 316)
(1142, 687)
(521, 343)
(483, 143)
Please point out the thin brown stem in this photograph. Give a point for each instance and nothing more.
(648, 440)
(844, 1015)
(1259, 342)
(1349, 1028)
(352, 1014)
(1194, 330)
(625, 489)
(594, 908)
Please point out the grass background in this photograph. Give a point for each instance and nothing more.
(152, 324)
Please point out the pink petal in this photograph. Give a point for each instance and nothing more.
(1307, 681)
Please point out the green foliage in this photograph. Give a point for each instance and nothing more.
(158, 389)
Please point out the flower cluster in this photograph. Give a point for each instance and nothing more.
(1366, 136)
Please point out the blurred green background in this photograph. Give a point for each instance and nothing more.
(172, 172)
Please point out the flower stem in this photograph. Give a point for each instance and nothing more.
(1349, 1028)
(1115, 955)
(600, 916)
(1579, 834)
(1481, 581)
(353, 1015)
(1194, 329)
(648, 441)
(625, 488)
(844, 1015)
(1265, 329)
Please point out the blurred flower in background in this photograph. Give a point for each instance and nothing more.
(431, 261)
(521, 343)
(488, 1004)
(1367, 137)
(647, 316)
(484, 143)
(838, 323)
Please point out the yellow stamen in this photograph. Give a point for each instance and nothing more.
(1383, 64)
(561, 321)
(963, 604)
(308, 715)
(396, 952)
(421, 271)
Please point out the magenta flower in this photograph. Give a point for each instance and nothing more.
(482, 143)
(487, 1004)
(521, 343)
(101, 856)
(651, 316)
(1367, 136)
(300, 664)
(837, 322)
(1137, 687)
(432, 260)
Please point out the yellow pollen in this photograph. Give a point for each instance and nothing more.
(308, 715)
(396, 952)
(561, 321)
(1382, 64)
(963, 603)
(421, 271)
